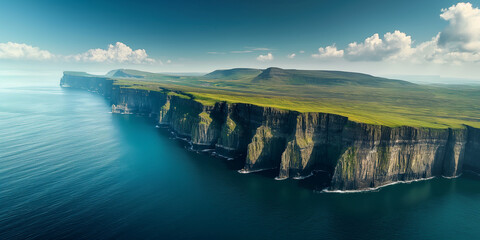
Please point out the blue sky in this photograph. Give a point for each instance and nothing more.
(200, 36)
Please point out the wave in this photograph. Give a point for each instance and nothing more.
(215, 154)
(375, 188)
(303, 177)
(245, 171)
(459, 175)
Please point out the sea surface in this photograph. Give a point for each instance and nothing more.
(69, 169)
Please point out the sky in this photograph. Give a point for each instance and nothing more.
(428, 37)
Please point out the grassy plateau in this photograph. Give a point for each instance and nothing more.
(360, 97)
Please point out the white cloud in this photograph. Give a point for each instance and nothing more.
(393, 46)
(169, 61)
(260, 49)
(119, 53)
(291, 55)
(301, 51)
(463, 32)
(242, 51)
(432, 51)
(459, 42)
(427, 51)
(266, 57)
(328, 52)
(12, 50)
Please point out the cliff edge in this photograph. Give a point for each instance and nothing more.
(356, 156)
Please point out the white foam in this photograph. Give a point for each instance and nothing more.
(374, 189)
(224, 147)
(183, 139)
(453, 176)
(215, 154)
(303, 177)
(245, 171)
(281, 178)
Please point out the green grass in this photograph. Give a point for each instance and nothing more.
(361, 97)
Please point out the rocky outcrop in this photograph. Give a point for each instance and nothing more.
(355, 155)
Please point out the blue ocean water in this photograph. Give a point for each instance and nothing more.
(69, 169)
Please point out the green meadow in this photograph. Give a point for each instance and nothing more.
(360, 97)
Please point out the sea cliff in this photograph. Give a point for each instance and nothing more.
(356, 156)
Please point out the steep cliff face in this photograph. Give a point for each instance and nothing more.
(355, 155)
(129, 100)
(272, 127)
(316, 145)
(191, 119)
(378, 155)
(472, 150)
(101, 85)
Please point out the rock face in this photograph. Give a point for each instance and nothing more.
(316, 144)
(378, 155)
(356, 155)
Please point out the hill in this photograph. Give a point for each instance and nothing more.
(361, 97)
(234, 74)
(318, 77)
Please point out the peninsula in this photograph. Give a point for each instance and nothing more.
(365, 131)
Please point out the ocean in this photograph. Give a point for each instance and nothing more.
(70, 169)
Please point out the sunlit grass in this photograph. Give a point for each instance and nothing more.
(389, 103)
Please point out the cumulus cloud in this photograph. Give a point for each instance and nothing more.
(427, 51)
(291, 55)
(393, 46)
(301, 51)
(12, 50)
(328, 52)
(458, 42)
(119, 53)
(266, 57)
(463, 32)
(433, 51)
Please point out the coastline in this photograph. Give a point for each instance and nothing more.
(299, 143)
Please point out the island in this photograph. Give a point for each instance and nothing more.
(364, 131)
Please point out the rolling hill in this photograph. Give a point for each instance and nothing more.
(361, 97)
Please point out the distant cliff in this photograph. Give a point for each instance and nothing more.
(356, 155)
